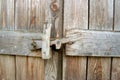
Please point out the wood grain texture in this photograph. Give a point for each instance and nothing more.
(19, 43)
(26, 14)
(75, 14)
(7, 67)
(116, 61)
(29, 68)
(117, 16)
(7, 63)
(7, 14)
(115, 69)
(93, 43)
(74, 68)
(21, 14)
(51, 67)
(75, 17)
(98, 68)
(54, 9)
(101, 18)
(0, 13)
(101, 14)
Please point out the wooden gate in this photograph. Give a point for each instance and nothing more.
(68, 17)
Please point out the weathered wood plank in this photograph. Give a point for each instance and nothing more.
(7, 63)
(94, 43)
(51, 67)
(46, 42)
(10, 14)
(21, 14)
(115, 69)
(98, 68)
(116, 61)
(3, 14)
(29, 68)
(33, 68)
(18, 43)
(0, 13)
(54, 13)
(101, 18)
(74, 68)
(101, 14)
(75, 16)
(117, 16)
(7, 67)
(7, 14)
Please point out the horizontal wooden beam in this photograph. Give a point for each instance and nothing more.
(19, 43)
(93, 43)
(84, 43)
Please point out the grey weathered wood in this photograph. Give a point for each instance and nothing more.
(75, 16)
(0, 13)
(18, 43)
(51, 67)
(21, 14)
(116, 61)
(29, 68)
(7, 63)
(46, 42)
(94, 43)
(101, 18)
(54, 10)
(117, 16)
(7, 14)
(101, 14)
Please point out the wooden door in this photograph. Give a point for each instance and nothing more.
(81, 60)
(88, 58)
(22, 17)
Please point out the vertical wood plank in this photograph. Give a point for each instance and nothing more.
(54, 14)
(74, 68)
(31, 68)
(116, 61)
(98, 68)
(7, 67)
(101, 14)
(7, 63)
(115, 69)
(10, 14)
(76, 14)
(21, 14)
(101, 18)
(51, 67)
(117, 15)
(28, 68)
(3, 14)
(0, 14)
(75, 17)
(6, 14)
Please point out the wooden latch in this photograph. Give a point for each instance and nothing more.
(47, 42)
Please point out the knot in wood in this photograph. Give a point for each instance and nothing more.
(54, 6)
